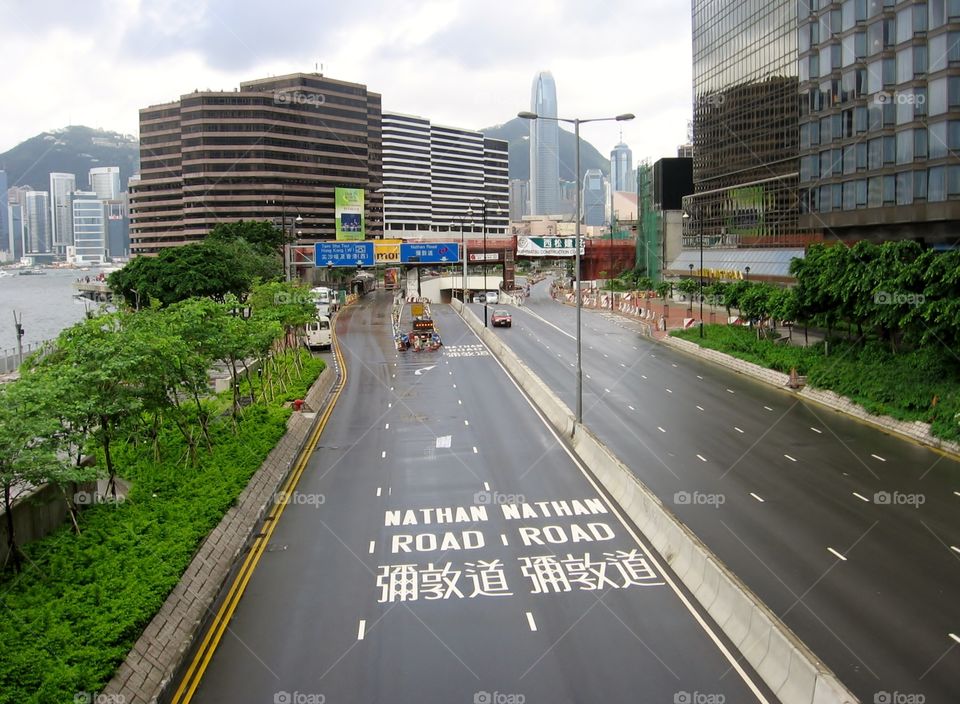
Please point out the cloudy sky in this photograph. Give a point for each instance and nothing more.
(460, 62)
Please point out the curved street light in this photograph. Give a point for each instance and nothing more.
(576, 122)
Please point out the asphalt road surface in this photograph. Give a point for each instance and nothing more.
(850, 535)
(443, 546)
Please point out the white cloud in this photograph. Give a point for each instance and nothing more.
(456, 62)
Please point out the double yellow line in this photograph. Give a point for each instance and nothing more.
(198, 666)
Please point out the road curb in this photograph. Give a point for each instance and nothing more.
(779, 657)
(151, 669)
(916, 431)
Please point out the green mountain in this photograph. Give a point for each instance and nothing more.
(517, 133)
(73, 150)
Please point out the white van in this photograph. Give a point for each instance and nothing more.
(319, 333)
(492, 297)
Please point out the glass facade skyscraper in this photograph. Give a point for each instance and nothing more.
(62, 187)
(544, 147)
(745, 124)
(621, 168)
(594, 197)
(880, 119)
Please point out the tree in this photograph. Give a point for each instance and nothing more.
(264, 237)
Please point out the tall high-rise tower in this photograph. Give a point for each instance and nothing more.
(62, 187)
(544, 147)
(621, 166)
(105, 182)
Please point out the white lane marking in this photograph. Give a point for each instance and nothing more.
(644, 376)
(674, 366)
(383, 455)
(699, 377)
(605, 355)
(547, 346)
(503, 539)
(362, 629)
(379, 490)
(957, 493)
(790, 458)
(623, 365)
(878, 457)
(389, 491)
(559, 355)
(631, 408)
(837, 554)
(531, 622)
(486, 486)
(635, 347)
(816, 430)
(861, 497)
(391, 388)
(450, 373)
(589, 377)
(459, 402)
(699, 408)
(737, 429)
(707, 628)
(955, 548)
(394, 376)
(373, 544)
(669, 391)
(654, 356)
(606, 391)
(702, 458)
(389, 405)
(466, 422)
(475, 449)
(454, 386)
(730, 391)
(768, 408)
(443, 441)
(661, 429)
(386, 427)
(954, 636)
(572, 364)
(756, 497)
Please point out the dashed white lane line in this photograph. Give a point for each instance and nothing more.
(605, 355)
(790, 458)
(454, 386)
(878, 457)
(623, 365)
(386, 427)
(756, 497)
(389, 405)
(653, 355)
(699, 377)
(635, 347)
(475, 451)
(661, 429)
(837, 554)
(957, 493)
(816, 430)
(459, 402)
(486, 486)
(394, 376)
(531, 622)
(954, 636)
(379, 490)
(589, 377)
(466, 422)
(606, 391)
(737, 429)
(699, 408)
(373, 545)
(674, 366)
(383, 455)
(631, 408)
(861, 497)
(730, 391)
(955, 548)
(644, 376)
(701, 458)
(669, 391)
(362, 630)
(767, 408)
(389, 491)
(391, 388)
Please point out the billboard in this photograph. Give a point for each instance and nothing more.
(348, 204)
(548, 247)
(386, 251)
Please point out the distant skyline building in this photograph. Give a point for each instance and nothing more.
(544, 147)
(118, 227)
(105, 182)
(37, 233)
(274, 149)
(621, 166)
(594, 197)
(519, 199)
(5, 243)
(62, 186)
(15, 218)
(89, 228)
(434, 175)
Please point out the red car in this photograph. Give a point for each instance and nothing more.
(501, 318)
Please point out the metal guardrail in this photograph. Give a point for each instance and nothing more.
(10, 359)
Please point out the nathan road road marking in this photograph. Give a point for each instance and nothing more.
(734, 663)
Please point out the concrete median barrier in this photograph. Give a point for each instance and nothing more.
(791, 671)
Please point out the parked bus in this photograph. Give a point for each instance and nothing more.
(319, 335)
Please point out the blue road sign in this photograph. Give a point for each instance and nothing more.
(343, 254)
(429, 252)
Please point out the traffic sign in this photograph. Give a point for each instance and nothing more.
(343, 254)
(429, 252)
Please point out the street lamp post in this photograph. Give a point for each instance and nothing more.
(579, 216)
(483, 210)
